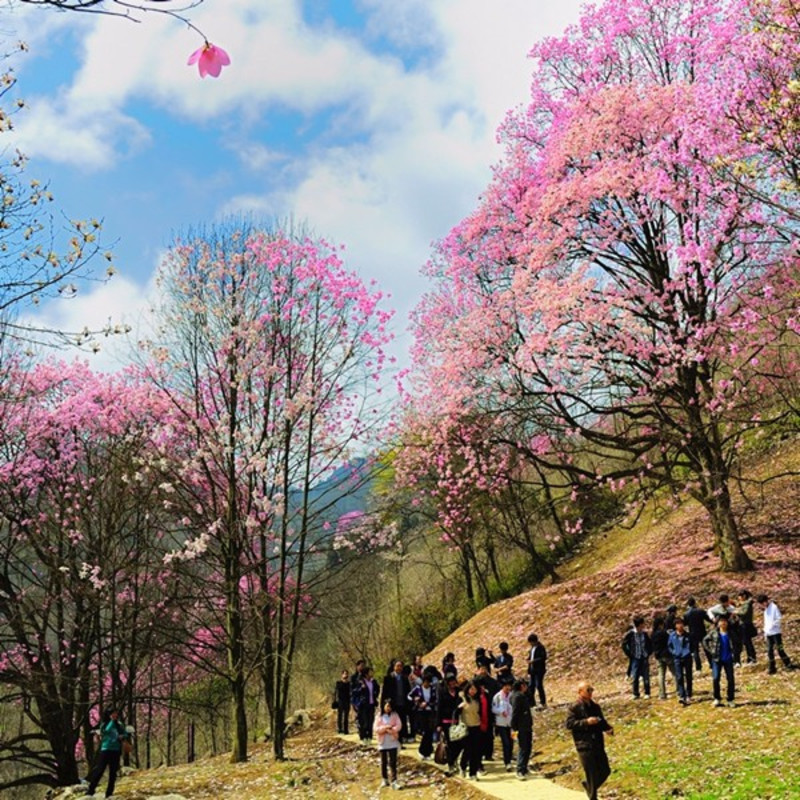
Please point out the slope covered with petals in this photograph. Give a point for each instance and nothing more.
(663, 559)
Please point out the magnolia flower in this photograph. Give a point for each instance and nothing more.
(210, 60)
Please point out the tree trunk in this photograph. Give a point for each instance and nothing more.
(727, 543)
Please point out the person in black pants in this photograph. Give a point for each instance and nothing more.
(397, 687)
(112, 734)
(423, 698)
(522, 725)
(695, 619)
(537, 667)
(446, 716)
(586, 721)
(341, 702)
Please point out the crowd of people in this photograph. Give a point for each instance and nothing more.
(463, 713)
(459, 714)
(723, 633)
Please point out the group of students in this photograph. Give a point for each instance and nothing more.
(461, 715)
(676, 643)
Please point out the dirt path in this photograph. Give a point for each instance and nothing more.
(499, 783)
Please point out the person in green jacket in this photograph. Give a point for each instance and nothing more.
(112, 734)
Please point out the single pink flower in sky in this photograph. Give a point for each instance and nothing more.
(210, 60)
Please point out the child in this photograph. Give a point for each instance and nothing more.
(387, 728)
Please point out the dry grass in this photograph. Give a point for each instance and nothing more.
(320, 766)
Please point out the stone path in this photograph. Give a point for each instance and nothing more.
(499, 783)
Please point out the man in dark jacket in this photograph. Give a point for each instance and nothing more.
(522, 724)
(537, 667)
(586, 721)
(695, 619)
(396, 687)
(638, 647)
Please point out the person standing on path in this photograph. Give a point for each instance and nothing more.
(112, 733)
(522, 725)
(397, 687)
(772, 633)
(501, 708)
(387, 728)
(588, 725)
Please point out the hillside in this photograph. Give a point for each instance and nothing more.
(662, 749)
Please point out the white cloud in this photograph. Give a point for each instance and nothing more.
(405, 152)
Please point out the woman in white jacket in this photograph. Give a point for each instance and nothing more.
(387, 729)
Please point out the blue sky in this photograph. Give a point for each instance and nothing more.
(373, 121)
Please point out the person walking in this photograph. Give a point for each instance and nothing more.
(112, 734)
(471, 713)
(387, 728)
(423, 700)
(522, 725)
(448, 701)
(588, 725)
(772, 633)
(501, 709)
(397, 687)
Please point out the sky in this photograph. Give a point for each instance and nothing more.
(372, 122)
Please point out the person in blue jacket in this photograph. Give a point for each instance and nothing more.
(112, 735)
(680, 649)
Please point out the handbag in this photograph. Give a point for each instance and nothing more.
(440, 754)
(457, 731)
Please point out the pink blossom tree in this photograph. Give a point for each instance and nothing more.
(615, 292)
(80, 538)
(271, 356)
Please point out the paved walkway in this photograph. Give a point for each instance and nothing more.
(499, 783)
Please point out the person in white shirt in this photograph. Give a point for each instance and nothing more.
(501, 708)
(772, 633)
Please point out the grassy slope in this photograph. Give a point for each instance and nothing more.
(662, 749)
